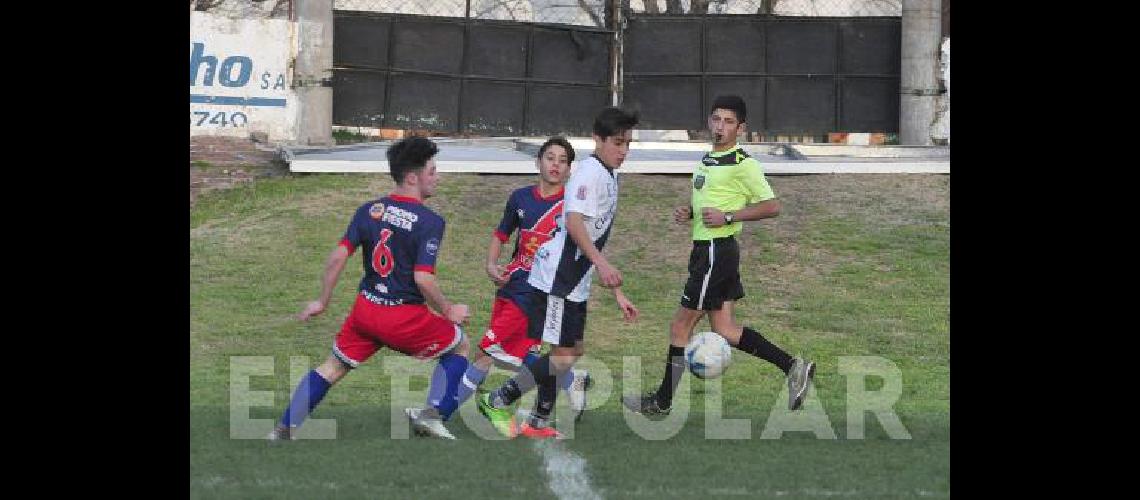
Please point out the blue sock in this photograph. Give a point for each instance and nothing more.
(438, 385)
(471, 380)
(309, 393)
(445, 384)
(530, 357)
(567, 379)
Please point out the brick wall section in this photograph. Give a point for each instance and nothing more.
(231, 161)
(223, 151)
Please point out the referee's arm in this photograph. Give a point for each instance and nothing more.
(713, 217)
(760, 210)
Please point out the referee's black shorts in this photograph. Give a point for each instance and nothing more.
(714, 274)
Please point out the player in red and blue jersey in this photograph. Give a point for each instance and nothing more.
(401, 239)
(534, 212)
(560, 280)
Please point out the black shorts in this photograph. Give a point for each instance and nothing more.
(714, 275)
(554, 320)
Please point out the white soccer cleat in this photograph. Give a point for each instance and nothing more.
(427, 423)
(280, 433)
(577, 393)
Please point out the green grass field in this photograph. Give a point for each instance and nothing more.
(857, 265)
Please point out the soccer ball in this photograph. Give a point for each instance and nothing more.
(708, 355)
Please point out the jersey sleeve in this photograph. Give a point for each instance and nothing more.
(582, 193)
(428, 242)
(354, 234)
(755, 183)
(510, 220)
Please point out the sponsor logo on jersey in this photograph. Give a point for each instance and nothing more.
(376, 211)
(400, 218)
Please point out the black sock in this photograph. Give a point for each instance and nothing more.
(674, 368)
(541, 368)
(547, 395)
(755, 344)
(506, 394)
(525, 380)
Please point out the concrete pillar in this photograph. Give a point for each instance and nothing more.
(312, 73)
(921, 38)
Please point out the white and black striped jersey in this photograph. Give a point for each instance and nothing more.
(560, 268)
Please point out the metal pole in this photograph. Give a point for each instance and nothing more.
(617, 53)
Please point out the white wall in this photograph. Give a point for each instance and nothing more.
(240, 77)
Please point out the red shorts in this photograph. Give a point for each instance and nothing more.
(506, 338)
(411, 329)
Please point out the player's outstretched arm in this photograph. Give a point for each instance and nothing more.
(333, 267)
(456, 313)
(628, 310)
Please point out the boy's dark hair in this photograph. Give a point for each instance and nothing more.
(409, 155)
(732, 103)
(613, 121)
(560, 141)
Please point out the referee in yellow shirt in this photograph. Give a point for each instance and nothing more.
(728, 188)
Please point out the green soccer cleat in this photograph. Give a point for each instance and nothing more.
(502, 419)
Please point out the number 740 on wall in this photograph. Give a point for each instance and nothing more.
(218, 118)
